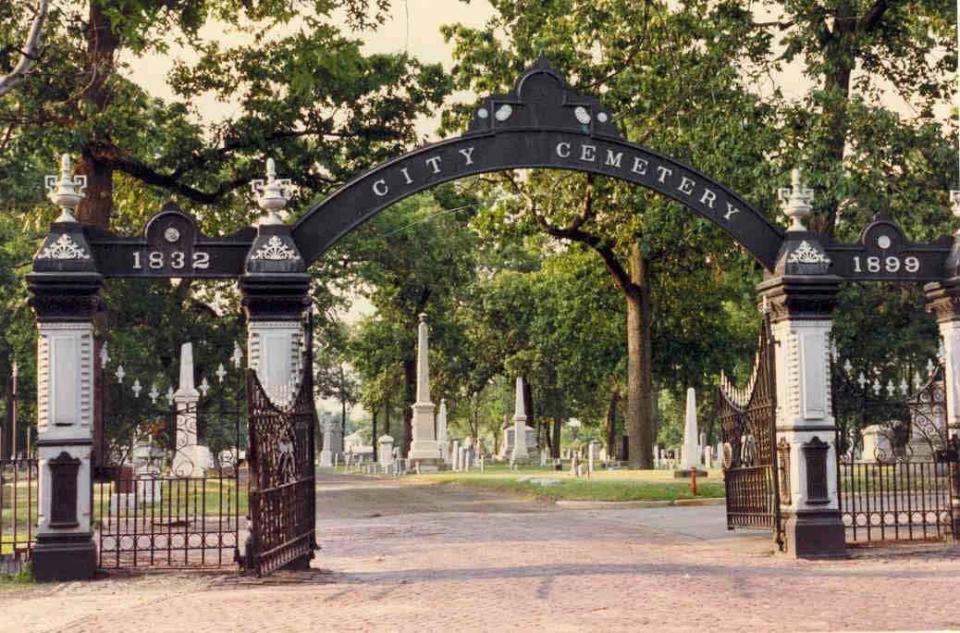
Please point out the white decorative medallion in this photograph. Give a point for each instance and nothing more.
(275, 250)
(63, 248)
(807, 254)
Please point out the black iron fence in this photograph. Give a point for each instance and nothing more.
(894, 478)
(19, 503)
(172, 482)
(168, 521)
(895, 501)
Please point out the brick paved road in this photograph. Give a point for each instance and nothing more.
(401, 557)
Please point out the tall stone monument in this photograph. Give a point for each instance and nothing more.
(332, 444)
(520, 454)
(691, 446)
(424, 449)
(190, 458)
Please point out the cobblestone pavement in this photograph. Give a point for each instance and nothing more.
(403, 557)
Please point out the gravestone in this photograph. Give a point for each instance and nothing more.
(385, 444)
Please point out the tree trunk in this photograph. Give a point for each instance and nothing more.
(639, 421)
(386, 416)
(557, 430)
(410, 395)
(611, 423)
(836, 88)
(102, 45)
(528, 406)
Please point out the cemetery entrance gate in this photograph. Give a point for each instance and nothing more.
(154, 494)
(540, 123)
(748, 430)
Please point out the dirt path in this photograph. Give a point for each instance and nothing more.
(402, 557)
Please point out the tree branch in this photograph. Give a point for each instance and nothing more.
(874, 15)
(28, 56)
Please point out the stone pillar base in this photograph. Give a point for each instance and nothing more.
(815, 534)
(326, 459)
(64, 557)
(424, 451)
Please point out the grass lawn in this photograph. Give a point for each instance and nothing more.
(179, 499)
(612, 485)
(16, 581)
(17, 520)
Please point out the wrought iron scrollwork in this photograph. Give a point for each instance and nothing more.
(748, 429)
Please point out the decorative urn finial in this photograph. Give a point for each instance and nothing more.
(796, 201)
(272, 194)
(66, 191)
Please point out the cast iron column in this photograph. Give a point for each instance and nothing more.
(275, 288)
(65, 287)
(943, 299)
(800, 297)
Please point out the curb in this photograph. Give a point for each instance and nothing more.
(623, 505)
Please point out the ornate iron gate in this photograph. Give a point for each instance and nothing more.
(282, 477)
(748, 431)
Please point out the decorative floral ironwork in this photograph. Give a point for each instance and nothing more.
(807, 254)
(63, 248)
(275, 250)
(282, 481)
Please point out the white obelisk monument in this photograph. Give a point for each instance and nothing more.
(190, 459)
(519, 455)
(691, 445)
(424, 449)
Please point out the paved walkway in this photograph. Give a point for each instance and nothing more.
(405, 557)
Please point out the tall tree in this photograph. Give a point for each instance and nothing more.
(300, 90)
(675, 78)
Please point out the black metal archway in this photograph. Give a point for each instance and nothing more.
(540, 123)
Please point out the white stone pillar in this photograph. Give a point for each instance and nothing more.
(424, 449)
(801, 324)
(455, 451)
(519, 454)
(65, 377)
